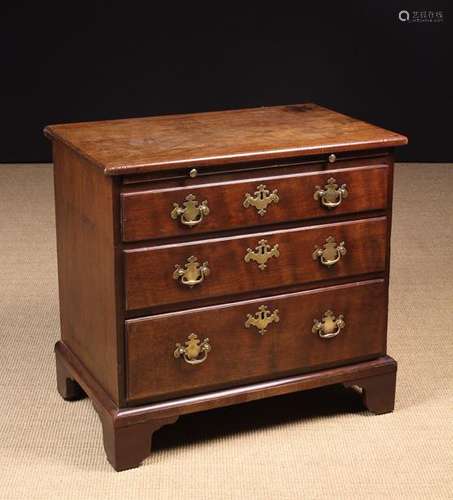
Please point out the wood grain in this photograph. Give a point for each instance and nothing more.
(161, 143)
(146, 214)
(242, 355)
(149, 271)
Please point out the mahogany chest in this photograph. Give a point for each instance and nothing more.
(211, 259)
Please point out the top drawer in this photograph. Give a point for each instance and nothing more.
(204, 208)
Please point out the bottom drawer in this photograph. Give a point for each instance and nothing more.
(254, 340)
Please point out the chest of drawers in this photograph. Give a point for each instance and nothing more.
(211, 259)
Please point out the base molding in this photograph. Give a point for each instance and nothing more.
(128, 431)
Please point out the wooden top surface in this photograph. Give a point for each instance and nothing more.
(199, 140)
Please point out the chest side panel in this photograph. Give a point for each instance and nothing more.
(86, 234)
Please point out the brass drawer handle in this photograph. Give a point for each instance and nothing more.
(329, 326)
(192, 273)
(262, 253)
(330, 253)
(332, 195)
(262, 319)
(261, 198)
(195, 351)
(191, 213)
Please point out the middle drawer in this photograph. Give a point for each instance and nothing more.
(186, 272)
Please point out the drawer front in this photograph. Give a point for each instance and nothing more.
(227, 266)
(205, 208)
(163, 362)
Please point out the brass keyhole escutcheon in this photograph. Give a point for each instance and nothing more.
(194, 351)
(332, 195)
(330, 253)
(261, 198)
(192, 273)
(262, 319)
(262, 253)
(329, 326)
(191, 213)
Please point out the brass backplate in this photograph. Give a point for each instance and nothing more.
(262, 319)
(192, 273)
(329, 326)
(191, 213)
(194, 350)
(262, 253)
(332, 195)
(330, 253)
(261, 198)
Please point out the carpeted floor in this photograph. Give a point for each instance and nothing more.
(314, 445)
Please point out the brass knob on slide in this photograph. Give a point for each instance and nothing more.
(194, 351)
(191, 212)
